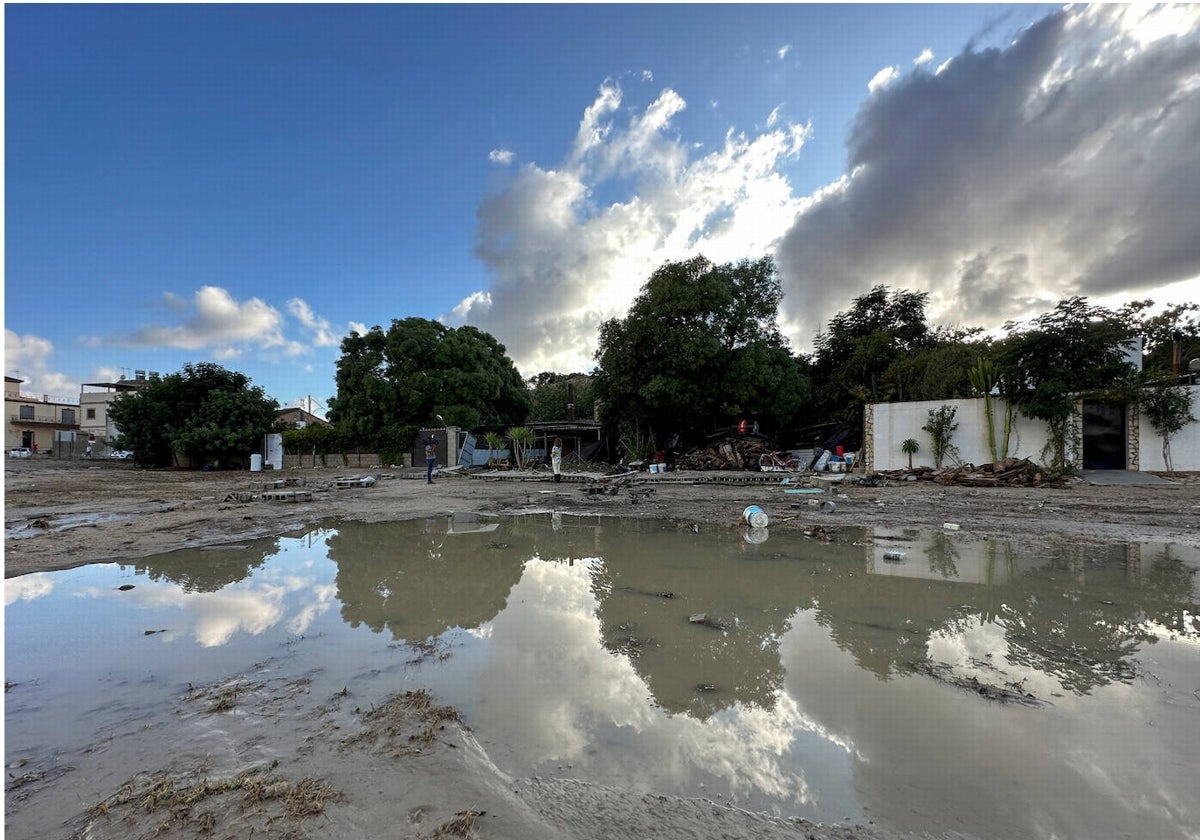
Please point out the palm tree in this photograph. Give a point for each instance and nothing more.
(494, 442)
(909, 448)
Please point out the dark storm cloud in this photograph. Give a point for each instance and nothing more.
(1064, 163)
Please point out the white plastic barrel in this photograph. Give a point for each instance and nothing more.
(256, 463)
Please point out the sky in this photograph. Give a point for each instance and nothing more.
(247, 184)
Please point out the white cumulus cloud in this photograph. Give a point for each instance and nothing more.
(883, 78)
(30, 358)
(318, 328)
(925, 57)
(213, 319)
(501, 156)
(560, 262)
(783, 51)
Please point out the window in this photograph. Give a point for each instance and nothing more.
(68, 415)
(91, 414)
(26, 412)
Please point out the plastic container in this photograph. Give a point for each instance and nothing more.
(256, 463)
(755, 517)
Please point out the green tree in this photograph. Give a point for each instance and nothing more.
(391, 383)
(1169, 409)
(1175, 322)
(941, 426)
(205, 412)
(549, 392)
(1073, 351)
(701, 342)
(522, 439)
(860, 355)
(319, 438)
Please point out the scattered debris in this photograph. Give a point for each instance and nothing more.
(894, 556)
(819, 534)
(125, 587)
(1009, 472)
(702, 618)
(733, 453)
(637, 494)
(245, 496)
(1007, 693)
(280, 483)
(345, 482)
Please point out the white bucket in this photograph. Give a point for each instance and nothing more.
(654, 468)
(256, 463)
(755, 517)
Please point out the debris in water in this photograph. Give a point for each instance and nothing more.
(1008, 693)
(125, 587)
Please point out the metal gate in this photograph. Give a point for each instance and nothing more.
(1103, 436)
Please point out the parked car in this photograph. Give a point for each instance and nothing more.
(20, 452)
(120, 454)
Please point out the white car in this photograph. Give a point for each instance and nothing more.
(20, 452)
(120, 454)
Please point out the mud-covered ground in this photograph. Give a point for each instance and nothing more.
(63, 514)
(410, 768)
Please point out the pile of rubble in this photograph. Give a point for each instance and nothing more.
(731, 453)
(1009, 472)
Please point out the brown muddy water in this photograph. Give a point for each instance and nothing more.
(923, 681)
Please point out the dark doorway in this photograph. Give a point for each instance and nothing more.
(1103, 436)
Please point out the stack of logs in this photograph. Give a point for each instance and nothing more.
(732, 453)
(1010, 472)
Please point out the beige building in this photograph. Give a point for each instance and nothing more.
(36, 421)
(298, 418)
(94, 405)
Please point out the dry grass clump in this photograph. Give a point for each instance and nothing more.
(429, 650)
(162, 798)
(411, 718)
(461, 824)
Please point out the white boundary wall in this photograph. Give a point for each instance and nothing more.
(896, 422)
(893, 423)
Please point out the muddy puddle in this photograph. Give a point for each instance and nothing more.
(920, 681)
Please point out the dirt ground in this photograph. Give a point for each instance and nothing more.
(64, 514)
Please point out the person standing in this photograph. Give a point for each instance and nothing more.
(430, 459)
(556, 459)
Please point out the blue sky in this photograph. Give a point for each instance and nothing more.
(246, 184)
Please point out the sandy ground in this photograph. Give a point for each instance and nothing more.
(439, 781)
